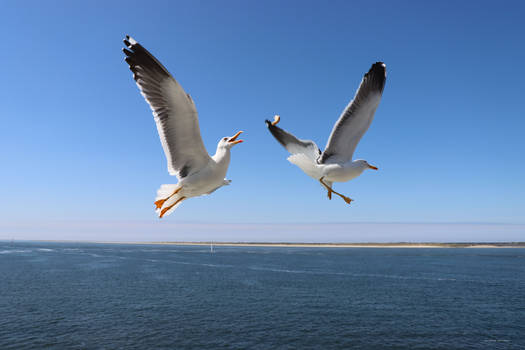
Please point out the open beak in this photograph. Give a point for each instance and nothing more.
(234, 138)
(372, 167)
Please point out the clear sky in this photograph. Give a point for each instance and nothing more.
(78, 142)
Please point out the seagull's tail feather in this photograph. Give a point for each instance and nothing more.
(165, 191)
(172, 203)
(306, 164)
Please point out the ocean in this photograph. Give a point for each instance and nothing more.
(120, 296)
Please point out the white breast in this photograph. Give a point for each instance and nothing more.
(341, 173)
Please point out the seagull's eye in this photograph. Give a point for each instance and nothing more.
(225, 138)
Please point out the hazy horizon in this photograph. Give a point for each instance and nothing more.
(151, 231)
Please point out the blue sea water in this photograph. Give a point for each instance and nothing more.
(111, 296)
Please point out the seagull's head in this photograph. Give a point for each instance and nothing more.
(229, 142)
(363, 165)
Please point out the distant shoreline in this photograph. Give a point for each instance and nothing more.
(353, 245)
(321, 245)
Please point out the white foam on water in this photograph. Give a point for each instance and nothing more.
(271, 269)
(313, 272)
(15, 251)
(190, 263)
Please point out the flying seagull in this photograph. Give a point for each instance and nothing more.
(335, 163)
(178, 126)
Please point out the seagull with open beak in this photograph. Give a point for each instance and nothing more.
(178, 126)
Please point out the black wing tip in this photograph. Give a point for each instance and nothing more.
(378, 67)
(138, 56)
(274, 130)
(128, 41)
(376, 76)
(129, 49)
(132, 44)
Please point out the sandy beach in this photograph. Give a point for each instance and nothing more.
(340, 245)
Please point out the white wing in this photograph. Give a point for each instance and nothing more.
(356, 118)
(293, 144)
(173, 109)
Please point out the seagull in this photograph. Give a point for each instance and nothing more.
(335, 163)
(178, 126)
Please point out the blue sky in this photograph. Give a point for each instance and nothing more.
(79, 143)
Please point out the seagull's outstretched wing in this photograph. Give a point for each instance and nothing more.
(356, 118)
(292, 143)
(173, 109)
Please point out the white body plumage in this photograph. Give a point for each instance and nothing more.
(330, 172)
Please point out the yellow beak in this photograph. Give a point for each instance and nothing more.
(372, 167)
(234, 138)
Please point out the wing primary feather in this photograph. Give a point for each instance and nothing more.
(292, 143)
(173, 110)
(356, 118)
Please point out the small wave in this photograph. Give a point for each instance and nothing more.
(15, 251)
(497, 341)
(45, 250)
(257, 268)
(188, 263)
(215, 265)
(372, 275)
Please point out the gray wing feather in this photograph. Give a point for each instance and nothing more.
(174, 111)
(293, 144)
(356, 118)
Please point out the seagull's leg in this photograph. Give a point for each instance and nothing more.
(163, 211)
(330, 190)
(160, 202)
